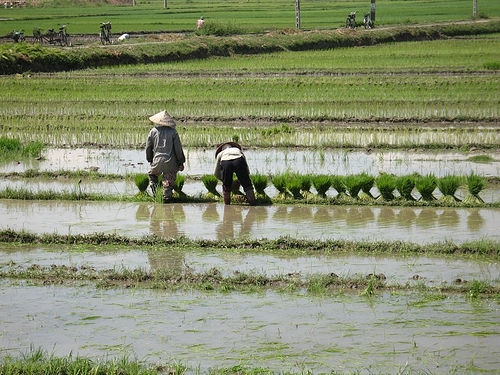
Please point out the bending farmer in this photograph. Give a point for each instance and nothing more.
(164, 153)
(230, 159)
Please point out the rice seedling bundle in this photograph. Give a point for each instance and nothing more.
(337, 182)
(405, 186)
(321, 183)
(426, 186)
(142, 182)
(294, 185)
(386, 184)
(475, 184)
(259, 182)
(280, 183)
(353, 184)
(448, 186)
(210, 182)
(366, 182)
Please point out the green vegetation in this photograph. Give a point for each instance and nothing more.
(37, 362)
(142, 182)
(12, 149)
(249, 17)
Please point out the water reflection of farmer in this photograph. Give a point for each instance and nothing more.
(235, 217)
(163, 222)
(231, 160)
(164, 153)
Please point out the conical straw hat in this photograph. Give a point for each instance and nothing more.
(162, 119)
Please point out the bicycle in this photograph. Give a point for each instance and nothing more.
(17, 36)
(350, 22)
(105, 33)
(63, 36)
(368, 21)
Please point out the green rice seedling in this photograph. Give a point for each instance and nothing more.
(305, 185)
(448, 186)
(405, 186)
(366, 182)
(352, 184)
(475, 184)
(280, 183)
(321, 183)
(294, 185)
(260, 183)
(210, 182)
(142, 182)
(426, 186)
(337, 182)
(180, 179)
(386, 184)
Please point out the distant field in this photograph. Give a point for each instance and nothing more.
(248, 16)
(407, 84)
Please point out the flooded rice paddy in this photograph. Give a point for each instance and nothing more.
(272, 162)
(390, 332)
(214, 221)
(206, 330)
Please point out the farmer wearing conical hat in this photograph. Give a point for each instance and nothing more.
(164, 153)
(231, 160)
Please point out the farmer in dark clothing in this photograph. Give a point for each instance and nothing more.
(231, 160)
(164, 153)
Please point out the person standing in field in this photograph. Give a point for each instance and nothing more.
(164, 153)
(200, 23)
(231, 160)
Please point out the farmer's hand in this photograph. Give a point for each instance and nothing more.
(181, 167)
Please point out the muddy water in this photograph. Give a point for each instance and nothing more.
(271, 161)
(215, 221)
(387, 333)
(399, 270)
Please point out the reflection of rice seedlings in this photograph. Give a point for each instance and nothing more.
(405, 185)
(321, 183)
(448, 186)
(426, 186)
(353, 185)
(210, 182)
(386, 184)
(142, 182)
(475, 184)
(366, 182)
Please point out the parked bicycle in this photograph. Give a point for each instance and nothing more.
(17, 36)
(350, 22)
(105, 33)
(60, 37)
(367, 21)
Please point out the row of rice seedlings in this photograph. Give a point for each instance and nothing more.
(359, 186)
(293, 186)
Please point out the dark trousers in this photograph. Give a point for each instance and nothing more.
(238, 166)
